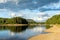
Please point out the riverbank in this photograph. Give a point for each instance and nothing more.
(54, 34)
(13, 24)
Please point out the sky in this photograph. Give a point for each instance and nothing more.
(38, 10)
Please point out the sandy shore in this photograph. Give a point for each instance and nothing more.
(53, 35)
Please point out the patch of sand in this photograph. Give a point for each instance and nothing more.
(54, 35)
(55, 28)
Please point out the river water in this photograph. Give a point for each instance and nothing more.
(24, 35)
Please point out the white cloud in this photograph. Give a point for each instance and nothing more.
(37, 19)
(52, 6)
(41, 16)
(20, 15)
(15, 1)
(12, 14)
(57, 13)
(15, 14)
(3, 1)
(35, 2)
(41, 13)
(35, 15)
(3, 10)
(46, 17)
(12, 33)
(40, 29)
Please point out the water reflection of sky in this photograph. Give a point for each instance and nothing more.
(4, 33)
(22, 35)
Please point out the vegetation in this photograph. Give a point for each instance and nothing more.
(15, 20)
(30, 21)
(53, 20)
(14, 28)
(40, 22)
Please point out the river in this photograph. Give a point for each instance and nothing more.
(24, 35)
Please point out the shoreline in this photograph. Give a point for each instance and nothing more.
(53, 35)
(34, 36)
(13, 24)
(30, 38)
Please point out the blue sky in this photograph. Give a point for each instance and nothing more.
(38, 10)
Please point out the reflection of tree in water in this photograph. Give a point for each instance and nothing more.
(14, 29)
(14, 20)
(19, 28)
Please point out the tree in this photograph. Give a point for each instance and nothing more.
(15, 20)
(54, 20)
(10, 21)
(20, 20)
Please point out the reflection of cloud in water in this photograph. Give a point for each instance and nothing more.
(38, 29)
(22, 35)
(12, 33)
(31, 32)
(4, 34)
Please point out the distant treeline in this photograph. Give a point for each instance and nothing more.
(30, 21)
(14, 20)
(18, 20)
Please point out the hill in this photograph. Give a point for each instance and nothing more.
(14, 20)
(30, 21)
(54, 20)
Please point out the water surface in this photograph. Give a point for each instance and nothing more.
(24, 35)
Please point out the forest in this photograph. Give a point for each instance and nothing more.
(53, 21)
(14, 20)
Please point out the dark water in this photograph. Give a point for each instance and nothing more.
(29, 32)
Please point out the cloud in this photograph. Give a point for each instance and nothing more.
(40, 19)
(3, 1)
(37, 19)
(30, 8)
(41, 13)
(41, 16)
(57, 13)
(19, 15)
(51, 6)
(15, 14)
(3, 10)
(17, 5)
(30, 14)
(12, 14)
(34, 4)
(15, 1)
(34, 14)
